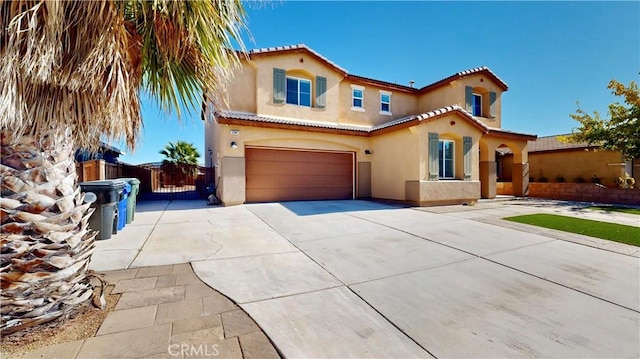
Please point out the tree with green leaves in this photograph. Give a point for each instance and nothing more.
(70, 74)
(621, 131)
(181, 155)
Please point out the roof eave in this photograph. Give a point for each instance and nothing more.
(299, 49)
(418, 119)
(283, 126)
(379, 83)
(459, 76)
(511, 135)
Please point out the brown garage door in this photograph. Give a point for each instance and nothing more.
(288, 175)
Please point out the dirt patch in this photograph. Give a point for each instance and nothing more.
(84, 325)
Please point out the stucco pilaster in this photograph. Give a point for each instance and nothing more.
(488, 175)
(520, 179)
(232, 181)
(364, 180)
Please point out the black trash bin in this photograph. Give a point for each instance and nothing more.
(107, 196)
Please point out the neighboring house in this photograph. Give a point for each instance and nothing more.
(105, 152)
(97, 165)
(299, 127)
(553, 161)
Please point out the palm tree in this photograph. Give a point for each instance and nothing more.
(180, 156)
(70, 74)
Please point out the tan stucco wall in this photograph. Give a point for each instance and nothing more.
(454, 93)
(270, 137)
(482, 84)
(242, 90)
(363, 175)
(402, 104)
(395, 160)
(580, 163)
(446, 95)
(308, 68)
(402, 155)
(450, 131)
(442, 192)
(231, 188)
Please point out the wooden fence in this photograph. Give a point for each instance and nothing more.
(156, 183)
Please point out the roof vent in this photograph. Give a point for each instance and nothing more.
(411, 83)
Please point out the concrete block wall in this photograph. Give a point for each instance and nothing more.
(587, 192)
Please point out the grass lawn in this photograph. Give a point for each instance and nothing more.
(611, 231)
(628, 210)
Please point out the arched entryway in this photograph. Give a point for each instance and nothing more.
(495, 145)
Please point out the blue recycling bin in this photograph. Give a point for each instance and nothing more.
(121, 213)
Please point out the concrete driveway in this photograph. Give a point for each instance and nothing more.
(362, 279)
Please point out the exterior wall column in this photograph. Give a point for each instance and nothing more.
(364, 180)
(488, 178)
(520, 179)
(232, 186)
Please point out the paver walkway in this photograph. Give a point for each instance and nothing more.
(167, 312)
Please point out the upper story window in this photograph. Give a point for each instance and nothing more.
(357, 98)
(446, 151)
(480, 102)
(298, 91)
(476, 104)
(385, 103)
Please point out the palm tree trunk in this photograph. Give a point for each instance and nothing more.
(45, 239)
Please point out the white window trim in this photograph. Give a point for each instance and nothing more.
(388, 93)
(310, 91)
(354, 108)
(472, 104)
(453, 160)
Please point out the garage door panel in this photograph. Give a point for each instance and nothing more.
(297, 181)
(286, 175)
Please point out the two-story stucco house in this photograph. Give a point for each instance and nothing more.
(299, 127)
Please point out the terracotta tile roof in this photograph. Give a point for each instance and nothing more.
(365, 129)
(434, 114)
(288, 121)
(506, 133)
(305, 48)
(551, 143)
(368, 80)
(465, 73)
(295, 48)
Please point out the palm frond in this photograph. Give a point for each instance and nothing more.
(80, 65)
(187, 49)
(69, 65)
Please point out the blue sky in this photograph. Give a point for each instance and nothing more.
(551, 54)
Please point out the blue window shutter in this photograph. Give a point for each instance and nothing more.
(492, 103)
(321, 89)
(468, 99)
(434, 167)
(279, 76)
(468, 157)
